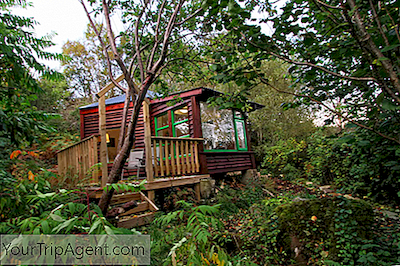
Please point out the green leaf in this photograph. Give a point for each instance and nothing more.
(108, 230)
(390, 47)
(63, 225)
(56, 217)
(388, 105)
(95, 225)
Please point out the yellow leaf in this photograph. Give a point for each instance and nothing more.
(31, 176)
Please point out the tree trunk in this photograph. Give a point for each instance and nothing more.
(123, 154)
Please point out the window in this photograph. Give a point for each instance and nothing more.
(162, 126)
(223, 130)
(179, 125)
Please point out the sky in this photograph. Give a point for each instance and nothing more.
(66, 18)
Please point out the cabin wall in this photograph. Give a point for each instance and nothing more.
(157, 109)
(223, 162)
(90, 122)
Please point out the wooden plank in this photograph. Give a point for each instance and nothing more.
(183, 159)
(197, 191)
(75, 144)
(174, 138)
(187, 161)
(147, 142)
(137, 221)
(122, 198)
(156, 159)
(196, 152)
(143, 206)
(152, 206)
(95, 159)
(168, 172)
(192, 144)
(173, 182)
(172, 158)
(151, 195)
(160, 149)
(103, 144)
(109, 86)
(178, 159)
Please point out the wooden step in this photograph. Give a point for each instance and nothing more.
(138, 216)
(137, 220)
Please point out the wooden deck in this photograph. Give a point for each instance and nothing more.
(160, 183)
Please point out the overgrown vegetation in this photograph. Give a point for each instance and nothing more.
(328, 195)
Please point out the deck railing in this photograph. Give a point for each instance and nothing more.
(175, 156)
(77, 159)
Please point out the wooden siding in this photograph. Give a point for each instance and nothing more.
(90, 122)
(223, 162)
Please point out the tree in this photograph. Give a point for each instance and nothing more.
(19, 50)
(345, 60)
(344, 56)
(86, 70)
(158, 30)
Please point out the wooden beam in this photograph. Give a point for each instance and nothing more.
(111, 85)
(152, 206)
(137, 221)
(143, 206)
(147, 146)
(103, 144)
(122, 198)
(147, 142)
(174, 182)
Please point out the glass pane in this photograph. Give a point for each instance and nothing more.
(240, 134)
(181, 114)
(182, 129)
(217, 126)
(163, 132)
(162, 121)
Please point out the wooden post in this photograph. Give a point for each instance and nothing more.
(197, 191)
(103, 139)
(147, 145)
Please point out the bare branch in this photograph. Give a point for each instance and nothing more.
(156, 43)
(310, 64)
(263, 80)
(371, 46)
(167, 34)
(104, 47)
(396, 26)
(378, 23)
(137, 46)
(328, 6)
(189, 17)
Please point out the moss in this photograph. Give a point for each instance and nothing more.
(320, 225)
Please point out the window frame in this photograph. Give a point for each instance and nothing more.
(171, 122)
(235, 118)
(156, 128)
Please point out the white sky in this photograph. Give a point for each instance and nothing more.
(66, 18)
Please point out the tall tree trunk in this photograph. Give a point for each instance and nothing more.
(123, 154)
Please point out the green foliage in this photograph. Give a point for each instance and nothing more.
(286, 159)
(326, 229)
(191, 235)
(19, 49)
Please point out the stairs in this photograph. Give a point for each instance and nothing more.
(140, 215)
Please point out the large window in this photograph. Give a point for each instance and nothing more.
(173, 123)
(223, 130)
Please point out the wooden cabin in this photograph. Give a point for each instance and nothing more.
(185, 141)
